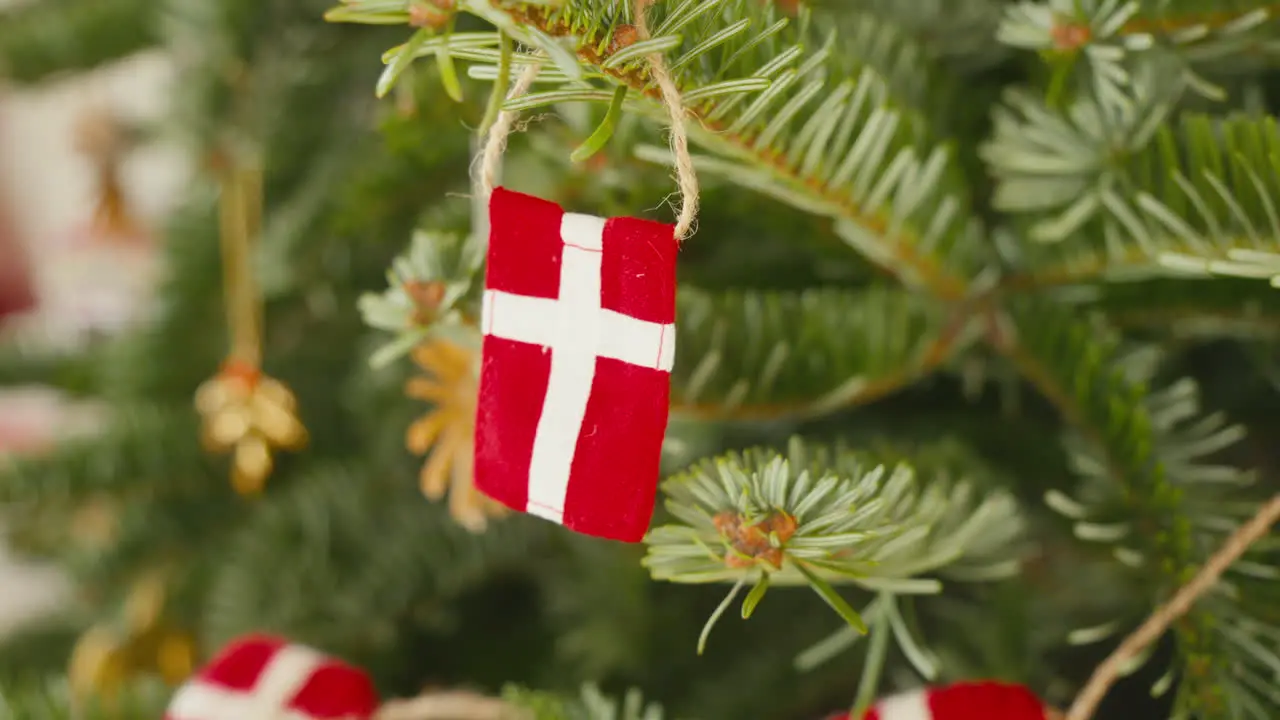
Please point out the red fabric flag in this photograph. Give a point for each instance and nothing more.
(265, 678)
(579, 340)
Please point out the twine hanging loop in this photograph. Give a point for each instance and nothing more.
(686, 176)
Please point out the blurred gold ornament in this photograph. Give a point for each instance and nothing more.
(144, 643)
(144, 608)
(447, 432)
(250, 415)
(106, 658)
(176, 655)
(100, 664)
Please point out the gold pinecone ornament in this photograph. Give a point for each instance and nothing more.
(446, 433)
(108, 657)
(251, 416)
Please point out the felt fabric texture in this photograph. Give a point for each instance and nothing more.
(575, 381)
(259, 677)
(986, 700)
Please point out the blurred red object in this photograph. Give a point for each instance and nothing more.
(983, 700)
(17, 292)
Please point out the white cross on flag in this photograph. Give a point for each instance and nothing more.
(579, 339)
(265, 678)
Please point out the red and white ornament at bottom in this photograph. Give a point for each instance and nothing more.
(986, 700)
(258, 677)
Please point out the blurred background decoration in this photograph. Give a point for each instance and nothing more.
(76, 258)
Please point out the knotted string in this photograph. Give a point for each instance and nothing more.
(686, 177)
(491, 161)
(1151, 630)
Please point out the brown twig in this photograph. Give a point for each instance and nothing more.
(1110, 670)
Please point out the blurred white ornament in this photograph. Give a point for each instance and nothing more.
(98, 279)
(94, 285)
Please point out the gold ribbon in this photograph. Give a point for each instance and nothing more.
(245, 412)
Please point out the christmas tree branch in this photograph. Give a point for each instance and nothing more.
(1134, 448)
(1122, 194)
(960, 32)
(1186, 308)
(29, 361)
(1097, 42)
(41, 39)
(745, 355)
(54, 698)
(820, 516)
(1189, 18)
(753, 355)
(896, 195)
(1155, 626)
(141, 448)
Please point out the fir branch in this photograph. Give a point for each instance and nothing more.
(150, 530)
(1207, 32)
(1184, 308)
(342, 548)
(599, 604)
(955, 31)
(1191, 198)
(191, 289)
(820, 515)
(752, 355)
(52, 699)
(743, 355)
(142, 448)
(1145, 449)
(432, 288)
(41, 39)
(1108, 34)
(37, 650)
(27, 361)
(1190, 15)
(839, 149)
(1137, 643)
(1072, 33)
(590, 704)
(1215, 500)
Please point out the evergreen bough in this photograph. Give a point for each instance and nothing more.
(962, 270)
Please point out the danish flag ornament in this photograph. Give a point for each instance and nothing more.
(579, 339)
(963, 701)
(264, 678)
